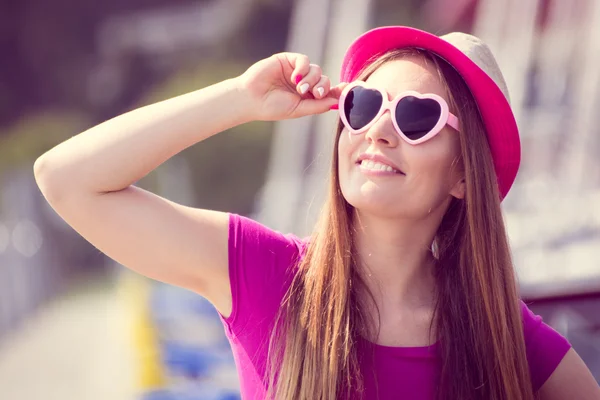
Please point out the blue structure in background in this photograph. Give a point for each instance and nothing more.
(195, 353)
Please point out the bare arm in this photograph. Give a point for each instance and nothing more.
(117, 153)
(570, 380)
(88, 178)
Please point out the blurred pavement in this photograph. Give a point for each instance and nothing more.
(76, 347)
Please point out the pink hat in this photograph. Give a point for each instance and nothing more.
(475, 63)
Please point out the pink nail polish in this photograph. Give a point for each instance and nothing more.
(298, 79)
(334, 107)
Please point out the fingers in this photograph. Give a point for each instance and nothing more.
(301, 65)
(325, 98)
(314, 106)
(321, 88)
(309, 80)
(337, 90)
(314, 87)
(308, 77)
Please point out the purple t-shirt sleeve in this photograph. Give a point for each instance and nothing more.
(260, 265)
(545, 347)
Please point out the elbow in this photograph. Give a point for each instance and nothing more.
(47, 179)
(40, 166)
(40, 173)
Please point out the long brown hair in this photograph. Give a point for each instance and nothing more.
(313, 348)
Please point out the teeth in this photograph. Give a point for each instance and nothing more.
(370, 164)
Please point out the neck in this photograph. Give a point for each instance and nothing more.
(396, 260)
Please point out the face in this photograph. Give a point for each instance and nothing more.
(430, 171)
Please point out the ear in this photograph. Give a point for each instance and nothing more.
(459, 188)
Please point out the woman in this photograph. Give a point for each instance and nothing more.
(406, 289)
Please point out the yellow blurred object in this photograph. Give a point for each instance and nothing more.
(136, 292)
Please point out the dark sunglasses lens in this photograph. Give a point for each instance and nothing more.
(361, 106)
(417, 117)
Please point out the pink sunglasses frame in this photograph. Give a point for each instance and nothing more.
(446, 117)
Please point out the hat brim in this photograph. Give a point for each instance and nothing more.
(495, 110)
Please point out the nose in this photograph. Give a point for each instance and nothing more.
(383, 132)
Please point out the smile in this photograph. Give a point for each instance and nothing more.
(377, 164)
(377, 168)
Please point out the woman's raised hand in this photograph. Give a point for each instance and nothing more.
(287, 85)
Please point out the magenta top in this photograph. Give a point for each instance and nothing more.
(260, 273)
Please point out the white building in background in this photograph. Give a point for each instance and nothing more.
(550, 52)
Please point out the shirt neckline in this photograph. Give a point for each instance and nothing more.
(430, 351)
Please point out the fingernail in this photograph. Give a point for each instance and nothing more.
(320, 91)
(298, 79)
(335, 107)
(304, 88)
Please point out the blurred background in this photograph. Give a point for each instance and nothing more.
(75, 325)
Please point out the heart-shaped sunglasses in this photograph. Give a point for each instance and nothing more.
(416, 117)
